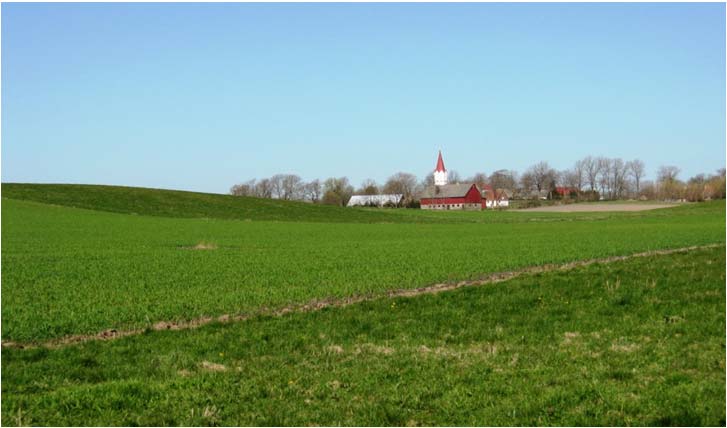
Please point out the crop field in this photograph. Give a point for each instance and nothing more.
(80, 260)
(635, 342)
(97, 270)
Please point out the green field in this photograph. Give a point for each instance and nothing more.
(640, 342)
(97, 270)
(634, 342)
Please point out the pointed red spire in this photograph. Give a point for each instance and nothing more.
(440, 163)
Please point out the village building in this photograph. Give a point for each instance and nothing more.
(495, 198)
(444, 196)
(566, 192)
(375, 200)
(464, 196)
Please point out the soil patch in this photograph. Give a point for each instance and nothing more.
(581, 208)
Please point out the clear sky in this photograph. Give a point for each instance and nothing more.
(202, 96)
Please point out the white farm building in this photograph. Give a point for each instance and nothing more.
(374, 200)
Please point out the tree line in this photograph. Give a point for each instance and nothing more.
(590, 178)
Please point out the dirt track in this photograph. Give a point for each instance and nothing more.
(579, 208)
(319, 304)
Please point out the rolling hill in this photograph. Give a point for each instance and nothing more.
(182, 204)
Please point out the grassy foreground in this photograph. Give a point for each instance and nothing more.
(74, 271)
(640, 342)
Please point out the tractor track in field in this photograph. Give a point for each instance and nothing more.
(336, 302)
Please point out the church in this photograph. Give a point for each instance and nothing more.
(444, 196)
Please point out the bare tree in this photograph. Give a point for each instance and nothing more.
(401, 183)
(590, 168)
(453, 177)
(667, 173)
(243, 189)
(368, 187)
(337, 191)
(604, 175)
(428, 180)
(715, 186)
(276, 186)
(313, 190)
(570, 178)
(264, 188)
(480, 179)
(292, 187)
(669, 185)
(542, 175)
(636, 169)
(619, 173)
(527, 182)
(578, 174)
(648, 190)
(503, 179)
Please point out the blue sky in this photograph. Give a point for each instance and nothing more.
(202, 96)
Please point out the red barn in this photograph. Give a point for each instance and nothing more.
(452, 197)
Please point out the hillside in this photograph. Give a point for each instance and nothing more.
(175, 203)
(183, 204)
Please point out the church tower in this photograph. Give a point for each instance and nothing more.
(440, 173)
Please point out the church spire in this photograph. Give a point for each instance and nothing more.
(440, 173)
(440, 163)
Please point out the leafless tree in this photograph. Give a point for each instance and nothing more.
(590, 168)
(619, 173)
(542, 175)
(264, 188)
(527, 183)
(337, 191)
(636, 169)
(648, 190)
(669, 185)
(715, 186)
(503, 179)
(292, 187)
(244, 189)
(401, 183)
(570, 178)
(667, 173)
(578, 174)
(453, 177)
(368, 187)
(313, 190)
(604, 176)
(480, 179)
(276, 186)
(428, 180)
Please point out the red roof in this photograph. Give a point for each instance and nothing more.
(565, 190)
(440, 163)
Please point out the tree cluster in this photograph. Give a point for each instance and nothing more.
(590, 178)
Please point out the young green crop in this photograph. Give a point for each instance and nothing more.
(72, 271)
(640, 342)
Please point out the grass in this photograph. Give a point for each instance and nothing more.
(74, 271)
(174, 203)
(639, 342)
